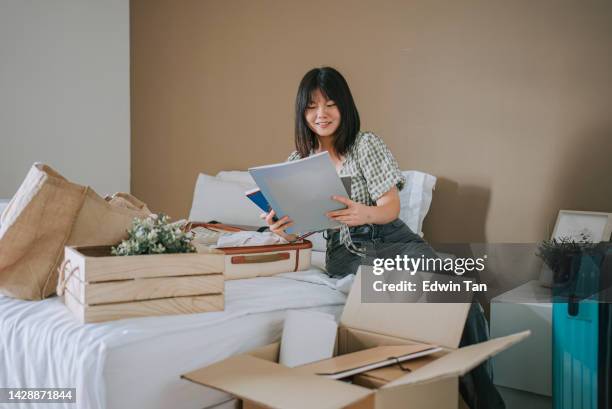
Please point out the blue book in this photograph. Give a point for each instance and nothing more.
(259, 199)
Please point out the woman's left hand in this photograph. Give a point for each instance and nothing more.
(355, 213)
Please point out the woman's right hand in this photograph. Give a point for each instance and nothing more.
(278, 227)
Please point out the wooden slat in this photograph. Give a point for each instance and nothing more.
(164, 306)
(99, 268)
(145, 288)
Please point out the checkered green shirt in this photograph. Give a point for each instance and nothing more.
(373, 171)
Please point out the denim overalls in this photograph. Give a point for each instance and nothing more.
(379, 240)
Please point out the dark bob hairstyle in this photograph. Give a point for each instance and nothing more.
(334, 87)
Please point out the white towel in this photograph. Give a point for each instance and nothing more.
(249, 238)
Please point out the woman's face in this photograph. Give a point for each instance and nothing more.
(322, 115)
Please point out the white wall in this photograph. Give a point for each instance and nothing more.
(64, 91)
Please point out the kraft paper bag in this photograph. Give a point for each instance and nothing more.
(47, 213)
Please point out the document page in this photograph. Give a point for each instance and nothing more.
(302, 189)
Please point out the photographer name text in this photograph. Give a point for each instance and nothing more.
(429, 286)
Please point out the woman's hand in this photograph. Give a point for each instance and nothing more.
(386, 210)
(355, 213)
(278, 227)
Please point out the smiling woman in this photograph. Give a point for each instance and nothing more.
(326, 119)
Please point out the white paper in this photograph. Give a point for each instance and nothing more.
(302, 190)
(307, 337)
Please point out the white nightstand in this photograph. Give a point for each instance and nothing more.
(526, 366)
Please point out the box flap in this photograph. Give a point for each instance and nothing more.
(365, 358)
(437, 324)
(276, 386)
(268, 352)
(458, 362)
(392, 372)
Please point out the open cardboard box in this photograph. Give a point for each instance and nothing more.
(261, 382)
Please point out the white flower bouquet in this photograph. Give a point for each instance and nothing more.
(155, 235)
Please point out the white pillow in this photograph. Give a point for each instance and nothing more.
(318, 241)
(415, 199)
(223, 201)
(236, 176)
(3, 204)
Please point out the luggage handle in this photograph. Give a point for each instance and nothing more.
(211, 226)
(260, 258)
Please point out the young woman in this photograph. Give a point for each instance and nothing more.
(326, 119)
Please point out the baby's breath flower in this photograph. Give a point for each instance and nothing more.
(154, 235)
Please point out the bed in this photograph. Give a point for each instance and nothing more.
(138, 362)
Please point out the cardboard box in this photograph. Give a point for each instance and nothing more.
(376, 378)
(261, 382)
(99, 287)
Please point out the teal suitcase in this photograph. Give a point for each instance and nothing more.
(582, 334)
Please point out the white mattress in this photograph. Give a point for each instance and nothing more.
(134, 380)
(137, 362)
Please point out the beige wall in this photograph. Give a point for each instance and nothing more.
(509, 103)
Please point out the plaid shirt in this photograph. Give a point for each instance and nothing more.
(373, 171)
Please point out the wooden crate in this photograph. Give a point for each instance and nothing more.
(100, 287)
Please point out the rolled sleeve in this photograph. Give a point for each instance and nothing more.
(379, 167)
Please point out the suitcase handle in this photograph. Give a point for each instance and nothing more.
(260, 258)
(211, 226)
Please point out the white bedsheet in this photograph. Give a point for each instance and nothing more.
(41, 345)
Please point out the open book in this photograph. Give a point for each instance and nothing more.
(301, 189)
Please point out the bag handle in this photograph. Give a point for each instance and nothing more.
(63, 281)
(122, 199)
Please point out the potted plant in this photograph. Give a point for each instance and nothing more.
(564, 257)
